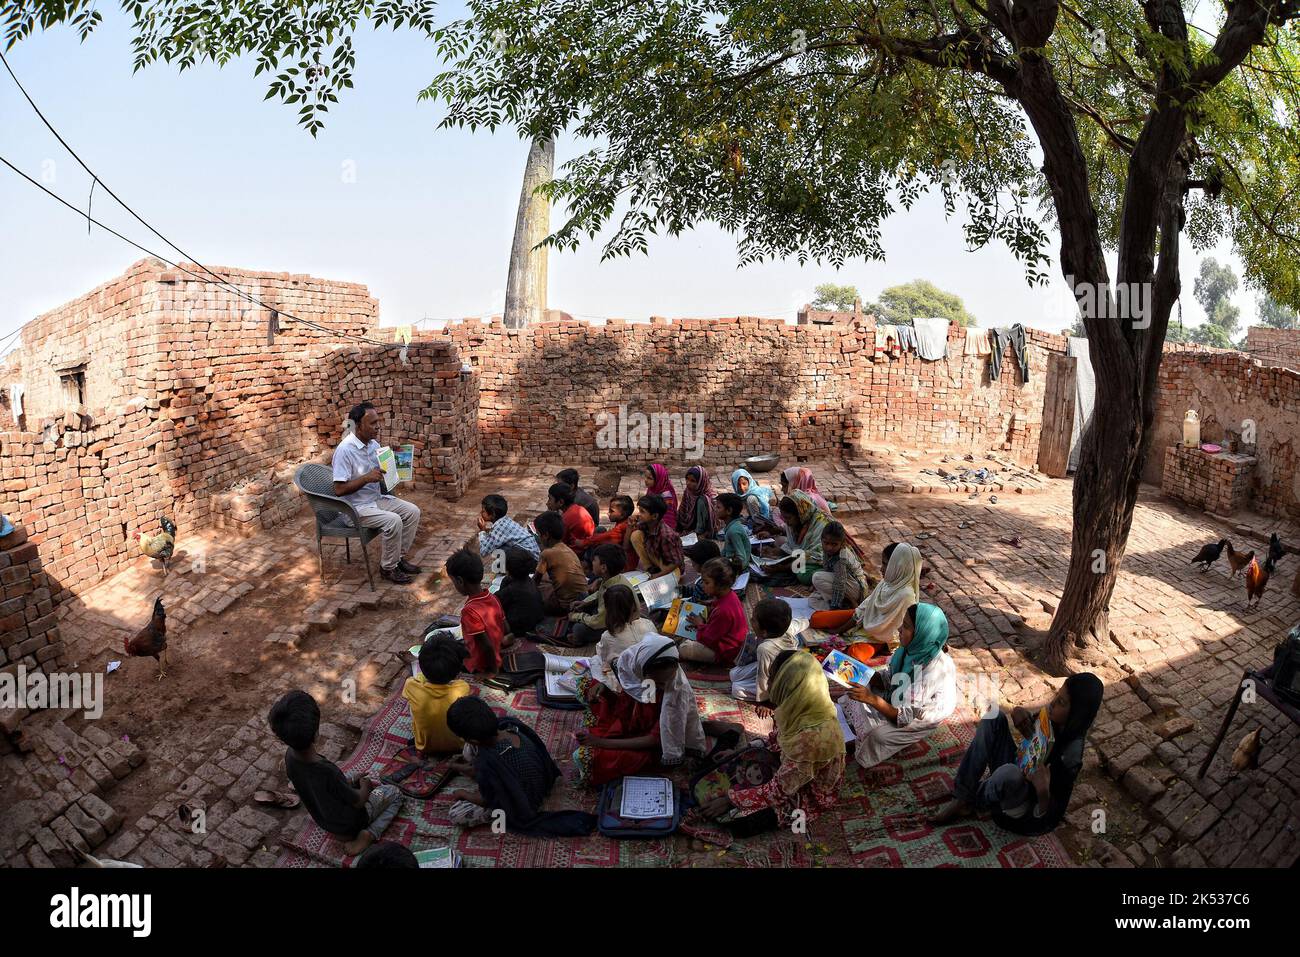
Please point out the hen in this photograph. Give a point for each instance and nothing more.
(151, 640)
(1256, 578)
(1209, 554)
(1246, 756)
(1275, 548)
(1238, 560)
(162, 545)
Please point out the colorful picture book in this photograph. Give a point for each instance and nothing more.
(1036, 747)
(405, 463)
(562, 674)
(388, 465)
(847, 671)
(678, 624)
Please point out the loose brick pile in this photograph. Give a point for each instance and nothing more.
(815, 390)
(1218, 482)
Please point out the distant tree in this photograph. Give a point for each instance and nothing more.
(1212, 334)
(1274, 314)
(921, 298)
(831, 296)
(1213, 289)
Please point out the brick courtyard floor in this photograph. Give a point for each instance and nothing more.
(250, 618)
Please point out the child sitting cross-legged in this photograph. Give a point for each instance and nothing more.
(513, 774)
(624, 626)
(496, 529)
(348, 807)
(719, 639)
(482, 623)
(559, 574)
(699, 555)
(735, 535)
(620, 515)
(841, 583)
(578, 526)
(433, 691)
(588, 615)
(520, 599)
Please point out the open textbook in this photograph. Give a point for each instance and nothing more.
(388, 465)
(655, 593)
(562, 673)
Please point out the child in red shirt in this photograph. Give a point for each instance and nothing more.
(578, 525)
(620, 513)
(719, 639)
(482, 622)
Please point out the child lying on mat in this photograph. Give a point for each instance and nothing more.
(347, 807)
(513, 773)
(433, 691)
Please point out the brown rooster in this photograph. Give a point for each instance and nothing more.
(1257, 576)
(1237, 560)
(151, 640)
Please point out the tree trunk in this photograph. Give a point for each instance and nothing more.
(526, 281)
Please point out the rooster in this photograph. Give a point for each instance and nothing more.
(1208, 555)
(151, 640)
(162, 545)
(1237, 560)
(1256, 578)
(1275, 548)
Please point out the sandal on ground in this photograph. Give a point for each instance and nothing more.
(277, 799)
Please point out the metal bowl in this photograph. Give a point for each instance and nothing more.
(761, 463)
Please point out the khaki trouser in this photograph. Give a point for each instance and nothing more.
(398, 520)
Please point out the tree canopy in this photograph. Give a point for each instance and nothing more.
(1272, 313)
(920, 297)
(829, 295)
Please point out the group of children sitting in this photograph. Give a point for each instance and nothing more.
(640, 711)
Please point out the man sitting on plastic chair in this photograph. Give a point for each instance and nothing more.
(359, 479)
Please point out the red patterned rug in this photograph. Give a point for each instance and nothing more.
(878, 823)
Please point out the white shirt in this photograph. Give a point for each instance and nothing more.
(351, 460)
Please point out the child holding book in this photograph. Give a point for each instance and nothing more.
(432, 692)
(497, 530)
(699, 555)
(909, 698)
(841, 583)
(560, 577)
(578, 526)
(719, 639)
(772, 622)
(482, 622)
(588, 619)
(735, 533)
(1027, 800)
(513, 774)
(580, 495)
(351, 808)
(805, 525)
(519, 596)
(654, 539)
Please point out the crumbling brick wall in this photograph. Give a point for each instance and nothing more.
(1235, 394)
(1280, 347)
(29, 630)
(814, 390)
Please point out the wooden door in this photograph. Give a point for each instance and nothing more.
(1058, 416)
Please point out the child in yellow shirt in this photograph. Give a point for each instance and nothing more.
(432, 692)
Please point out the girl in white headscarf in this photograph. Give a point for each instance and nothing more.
(881, 613)
(653, 718)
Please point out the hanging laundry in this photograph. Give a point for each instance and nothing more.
(887, 339)
(16, 399)
(1085, 388)
(977, 342)
(906, 338)
(931, 337)
(1012, 338)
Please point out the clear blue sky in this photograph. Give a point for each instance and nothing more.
(427, 223)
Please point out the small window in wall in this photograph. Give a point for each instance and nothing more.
(74, 387)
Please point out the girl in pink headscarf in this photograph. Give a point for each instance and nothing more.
(797, 478)
(658, 482)
(698, 512)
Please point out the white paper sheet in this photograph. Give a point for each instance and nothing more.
(645, 798)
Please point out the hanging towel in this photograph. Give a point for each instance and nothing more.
(906, 338)
(931, 337)
(16, 400)
(977, 342)
(1085, 389)
(887, 339)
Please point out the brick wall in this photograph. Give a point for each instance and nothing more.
(1228, 389)
(1274, 346)
(1219, 483)
(29, 631)
(185, 399)
(814, 390)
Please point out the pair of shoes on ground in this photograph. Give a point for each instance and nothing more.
(402, 573)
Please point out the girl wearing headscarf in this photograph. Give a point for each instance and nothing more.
(652, 718)
(1037, 802)
(807, 737)
(805, 523)
(758, 498)
(659, 482)
(797, 478)
(880, 614)
(921, 688)
(698, 511)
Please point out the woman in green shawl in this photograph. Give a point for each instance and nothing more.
(907, 700)
(804, 523)
(811, 747)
